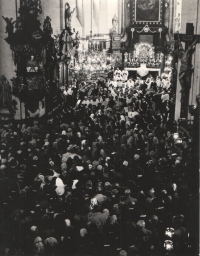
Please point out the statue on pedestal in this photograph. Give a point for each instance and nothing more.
(114, 29)
(68, 16)
(47, 28)
(115, 37)
(9, 26)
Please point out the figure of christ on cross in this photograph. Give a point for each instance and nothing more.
(186, 67)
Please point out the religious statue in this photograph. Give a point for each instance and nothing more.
(61, 41)
(32, 65)
(9, 25)
(114, 29)
(178, 23)
(77, 39)
(186, 67)
(47, 26)
(5, 92)
(68, 16)
(19, 24)
(35, 7)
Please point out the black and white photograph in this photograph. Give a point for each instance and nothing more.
(99, 127)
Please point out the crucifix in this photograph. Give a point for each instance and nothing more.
(186, 66)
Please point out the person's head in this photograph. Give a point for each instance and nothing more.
(63, 167)
(113, 219)
(154, 219)
(174, 187)
(127, 192)
(83, 232)
(34, 229)
(141, 224)
(67, 222)
(123, 253)
(99, 190)
(168, 134)
(38, 246)
(106, 211)
(50, 244)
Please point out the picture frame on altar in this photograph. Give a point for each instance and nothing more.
(147, 12)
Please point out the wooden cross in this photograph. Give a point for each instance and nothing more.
(190, 39)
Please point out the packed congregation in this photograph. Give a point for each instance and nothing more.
(102, 174)
(99, 127)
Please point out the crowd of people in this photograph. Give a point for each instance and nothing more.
(101, 174)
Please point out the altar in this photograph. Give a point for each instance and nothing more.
(143, 70)
(143, 60)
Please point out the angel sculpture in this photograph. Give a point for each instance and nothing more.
(68, 15)
(9, 25)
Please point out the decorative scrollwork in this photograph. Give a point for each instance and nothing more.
(146, 29)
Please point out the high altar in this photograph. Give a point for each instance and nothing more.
(143, 45)
(142, 49)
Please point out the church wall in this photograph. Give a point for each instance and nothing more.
(127, 18)
(7, 67)
(103, 20)
(189, 14)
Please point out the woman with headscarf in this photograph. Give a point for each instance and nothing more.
(38, 246)
(51, 246)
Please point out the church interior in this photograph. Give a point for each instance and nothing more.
(99, 125)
